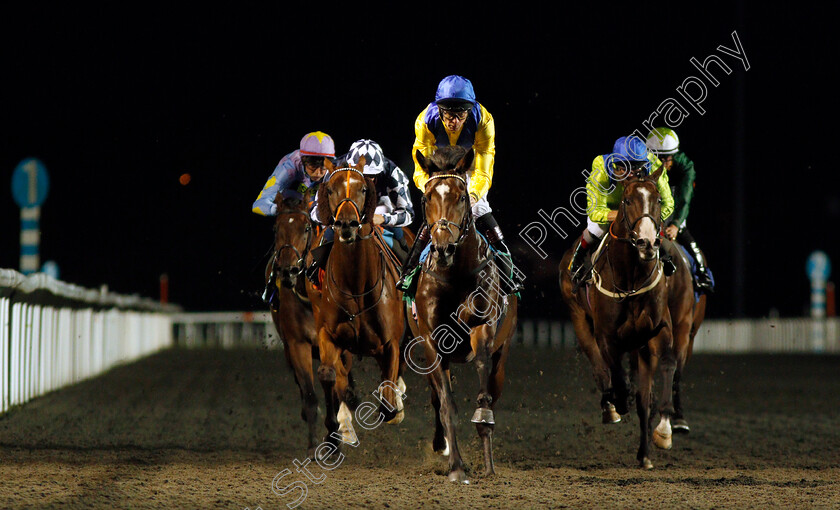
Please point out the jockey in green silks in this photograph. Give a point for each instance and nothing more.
(604, 190)
(665, 143)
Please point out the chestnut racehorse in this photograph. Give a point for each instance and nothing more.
(459, 298)
(358, 310)
(627, 309)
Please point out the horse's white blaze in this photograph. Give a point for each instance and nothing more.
(662, 434)
(291, 220)
(442, 189)
(647, 228)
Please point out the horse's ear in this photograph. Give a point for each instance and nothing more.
(655, 175)
(328, 164)
(322, 205)
(360, 165)
(464, 165)
(371, 200)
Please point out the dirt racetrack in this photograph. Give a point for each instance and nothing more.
(212, 429)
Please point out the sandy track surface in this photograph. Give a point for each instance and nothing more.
(212, 429)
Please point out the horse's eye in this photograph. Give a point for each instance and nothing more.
(626, 201)
(463, 198)
(660, 200)
(364, 190)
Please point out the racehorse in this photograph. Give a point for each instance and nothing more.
(692, 311)
(630, 307)
(294, 236)
(358, 309)
(458, 298)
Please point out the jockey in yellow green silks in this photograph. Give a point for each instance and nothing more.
(604, 190)
(455, 117)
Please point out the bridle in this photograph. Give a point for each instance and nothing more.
(467, 220)
(297, 267)
(360, 216)
(630, 227)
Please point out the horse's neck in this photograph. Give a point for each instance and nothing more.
(356, 262)
(627, 268)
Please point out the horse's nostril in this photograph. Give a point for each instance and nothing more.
(450, 249)
(640, 243)
(657, 243)
(354, 224)
(294, 271)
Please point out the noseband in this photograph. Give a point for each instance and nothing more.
(466, 220)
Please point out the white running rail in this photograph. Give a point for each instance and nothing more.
(230, 329)
(54, 333)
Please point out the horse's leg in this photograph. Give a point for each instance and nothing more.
(645, 369)
(392, 389)
(620, 391)
(600, 365)
(299, 357)
(662, 435)
(328, 373)
(495, 387)
(682, 345)
(449, 418)
(439, 443)
(483, 417)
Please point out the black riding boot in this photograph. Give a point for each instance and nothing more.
(420, 242)
(578, 275)
(269, 295)
(703, 281)
(511, 278)
(319, 261)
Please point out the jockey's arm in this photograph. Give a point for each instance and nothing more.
(283, 176)
(424, 141)
(401, 213)
(684, 189)
(485, 155)
(598, 188)
(664, 188)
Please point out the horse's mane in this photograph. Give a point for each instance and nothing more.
(445, 160)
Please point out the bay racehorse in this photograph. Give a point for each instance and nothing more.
(291, 312)
(358, 310)
(627, 310)
(462, 314)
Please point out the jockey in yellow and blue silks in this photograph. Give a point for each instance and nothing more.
(455, 117)
(604, 190)
(298, 173)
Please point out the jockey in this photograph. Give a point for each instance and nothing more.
(456, 118)
(394, 209)
(296, 174)
(665, 144)
(603, 196)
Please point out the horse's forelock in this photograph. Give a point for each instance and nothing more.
(445, 160)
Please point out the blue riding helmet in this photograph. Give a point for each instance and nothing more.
(630, 149)
(455, 92)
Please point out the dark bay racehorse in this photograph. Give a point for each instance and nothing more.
(294, 236)
(292, 316)
(462, 315)
(358, 310)
(627, 309)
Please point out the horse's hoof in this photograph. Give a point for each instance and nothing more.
(397, 419)
(483, 415)
(662, 440)
(646, 463)
(609, 416)
(680, 426)
(458, 476)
